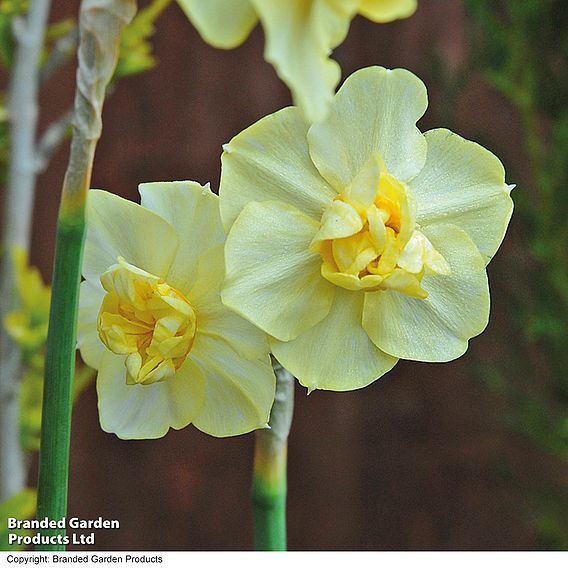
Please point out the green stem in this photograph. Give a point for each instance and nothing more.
(269, 504)
(100, 25)
(57, 399)
(269, 470)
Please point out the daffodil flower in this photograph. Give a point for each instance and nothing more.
(358, 240)
(300, 35)
(152, 323)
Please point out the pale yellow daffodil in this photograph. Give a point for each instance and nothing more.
(300, 35)
(358, 240)
(168, 353)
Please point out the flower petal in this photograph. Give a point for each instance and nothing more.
(90, 300)
(363, 189)
(270, 161)
(374, 112)
(336, 354)
(193, 211)
(273, 279)
(438, 328)
(238, 392)
(300, 36)
(215, 320)
(221, 23)
(339, 220)
(462, 183)
(118, 227)
(135, 412)
(383, 11)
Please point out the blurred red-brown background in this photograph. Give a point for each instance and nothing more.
(421, 459)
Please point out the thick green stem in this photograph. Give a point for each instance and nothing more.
(269, 470)
(61, 342)
(57, 398)
(100, 25)
(269, 502)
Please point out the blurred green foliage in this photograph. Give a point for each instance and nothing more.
(8, 10)
(135, 48)
(58, 30)
(14, 7)
(27, 325)
(21, 506)
(521, 48)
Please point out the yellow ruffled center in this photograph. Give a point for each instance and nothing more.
(147, 320)
(368, 238)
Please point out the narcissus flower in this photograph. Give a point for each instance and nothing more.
(151, 320)
(300, 35)
(358, 240)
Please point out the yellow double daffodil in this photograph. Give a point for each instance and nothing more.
(358, 240)
(300, 35)
(152, 323)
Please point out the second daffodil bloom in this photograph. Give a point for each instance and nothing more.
(358, 240)
(152, 323)
(300, 35)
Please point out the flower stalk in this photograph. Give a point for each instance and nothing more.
(100, 23)
(269, 469)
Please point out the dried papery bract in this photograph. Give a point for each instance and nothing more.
(101, 22)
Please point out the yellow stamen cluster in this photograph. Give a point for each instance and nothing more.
(368, 238)
(147, 320)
